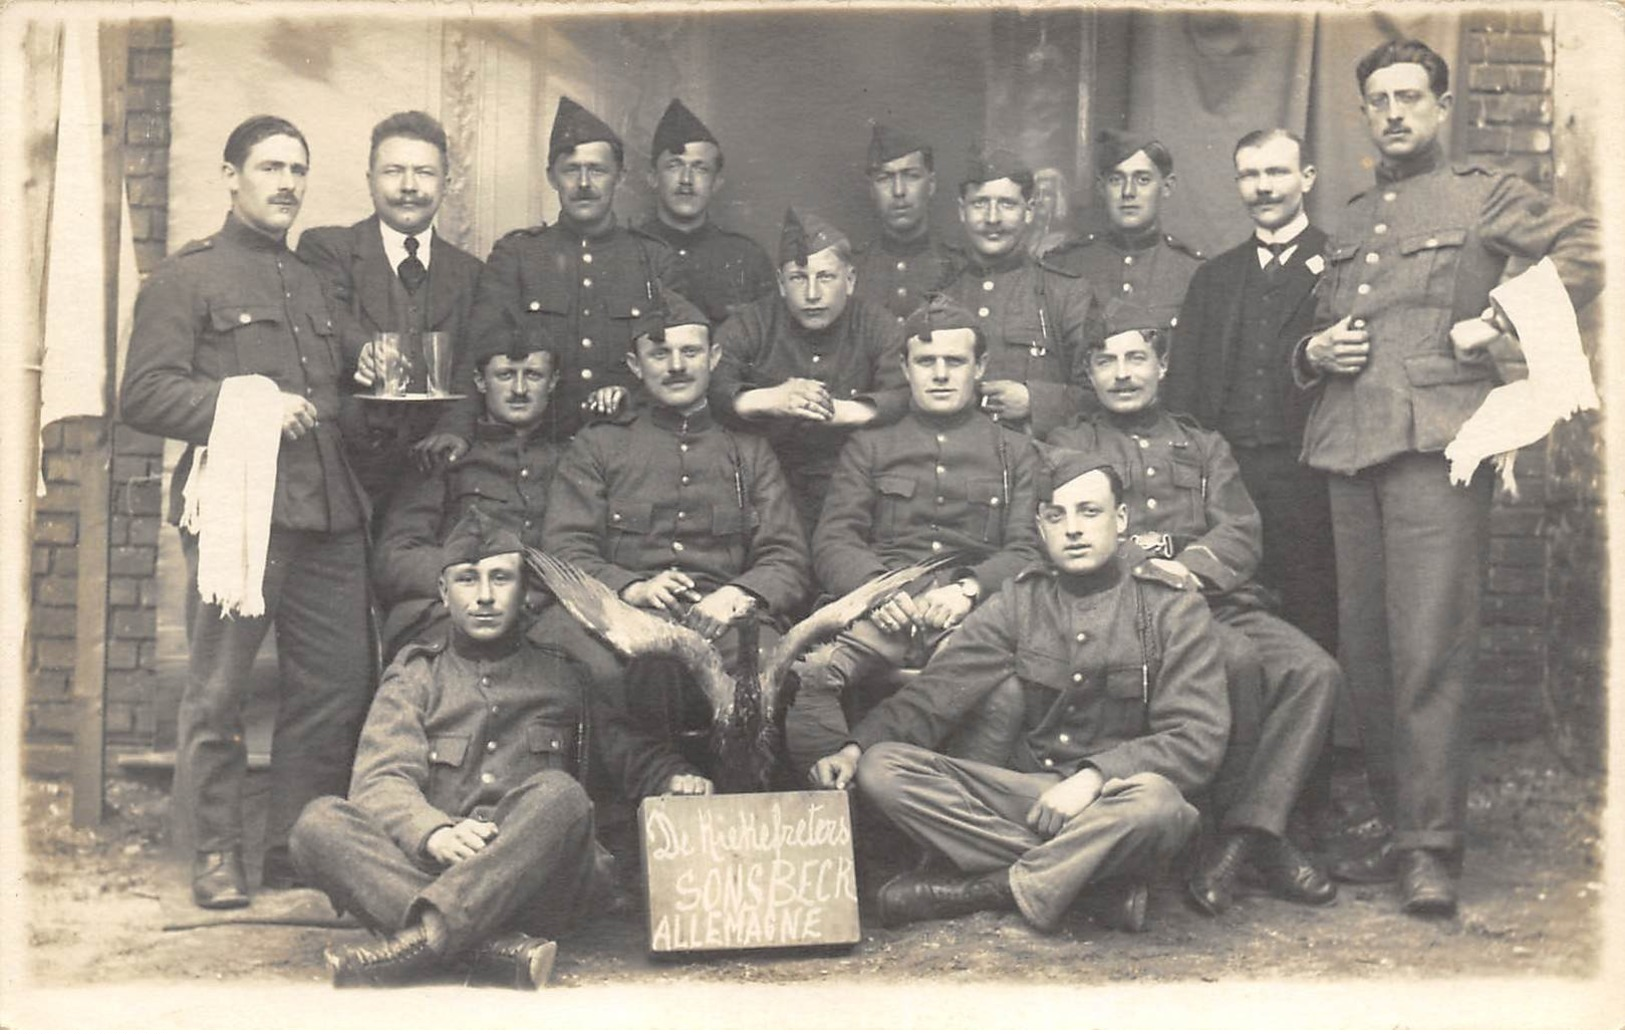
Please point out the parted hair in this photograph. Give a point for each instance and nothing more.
(251, 131)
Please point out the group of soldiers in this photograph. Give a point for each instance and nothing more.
(1123, 467)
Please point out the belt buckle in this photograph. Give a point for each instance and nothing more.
(1154, 544)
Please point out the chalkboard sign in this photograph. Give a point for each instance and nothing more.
(752, 870)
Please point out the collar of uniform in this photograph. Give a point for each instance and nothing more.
(669, 419)
(486, 652)
(1421, 162)
(1140, 422)
(610, 227)
(488, 430)
(1092, 583)
(1283, 234)
(1011, 260)
(1140, 240)
(945, 421)
(905, 249)
(240, 233)
(675, 237)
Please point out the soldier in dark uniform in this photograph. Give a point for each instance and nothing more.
(716, 269)
(907, 260)
(467, 836)
(944, 478)
(1125, 716)
(1408, 259)
(678, 514)
(393, 272)
(236, 304)
(587, 282)
(1037, 318)
(1139, 273)
(808, 367)
(505, 473)
(1190, 516)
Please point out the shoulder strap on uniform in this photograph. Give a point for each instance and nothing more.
(525, 231)
(1183, 248)
(193, 247)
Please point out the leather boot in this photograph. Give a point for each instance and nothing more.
(1117, 904)
(1289, 873)
(1212, 886)
(1426, 886)
(402, 959)
(218, 880)
(912, 896)
(1376, 866)
(512, 960)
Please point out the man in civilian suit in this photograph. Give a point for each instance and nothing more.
(392, 272)
(1229, 367)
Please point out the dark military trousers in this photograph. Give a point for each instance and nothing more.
(1298, 683)
(541, 874)
(1299, 561)
(976, 816)
(1410, 554)
(316, 598)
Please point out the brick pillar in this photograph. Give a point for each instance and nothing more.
(1506, 85)
(137, 484)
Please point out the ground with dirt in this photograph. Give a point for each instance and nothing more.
(1530, 907)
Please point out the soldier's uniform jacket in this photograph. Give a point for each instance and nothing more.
(923, 486)
(716, 269)
(1186, 500)
(1140, 282)
(505, 473)
(1413, 255)
(590, 295)
(450, 733)
(652, 489)
(232, 304)
(856, 357)
(1120, 672)
(1038, 321)
(899, 274)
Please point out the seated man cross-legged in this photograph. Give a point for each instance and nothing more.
(1125, 714)
(467, 838)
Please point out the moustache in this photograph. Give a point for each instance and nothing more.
(283, 199)
(514, 400)
(585, 195)
(677, 380)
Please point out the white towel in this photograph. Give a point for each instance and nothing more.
(1559, 383)
(228, 497)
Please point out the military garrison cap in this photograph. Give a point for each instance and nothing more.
(573, 126)
(940, 312)
(476, 536)
(1115, 146)
(996, 163)
(806, 234)
(887, 145)
(673, 311)
(515, 341)
(1058, 466)
(678, 128)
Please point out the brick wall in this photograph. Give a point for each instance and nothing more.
(1506, 87)
(136, 491)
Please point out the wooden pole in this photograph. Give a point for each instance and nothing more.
(96, 464)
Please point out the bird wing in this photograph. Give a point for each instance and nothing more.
(836, 615)
(633, 632)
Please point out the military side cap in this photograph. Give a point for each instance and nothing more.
(671, 310)
(513, 340)
(887, 144)
(1115, 146)
(940, 312)
(806, 234)
(476, 536)
(996, 163)
(678, 128)
(573, 126)
(1057, 466)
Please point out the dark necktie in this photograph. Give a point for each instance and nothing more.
(1273, 267)
(411, 270)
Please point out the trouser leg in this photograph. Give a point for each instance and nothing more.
(975, 815)
(1435, 537)
(342, 852)
(1300, 683)
(1299, 559)
(1244, 686)
(324, 646)
(539, 874)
